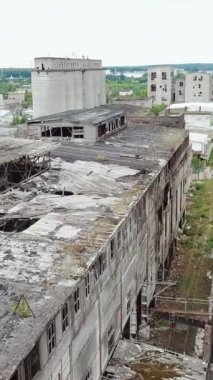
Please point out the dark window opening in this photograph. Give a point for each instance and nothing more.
(103, 261)
(166, 196)
(56, 132)
(87, 285)
(101, 130)
(45, 133)
(32, 363)
(153, 75)
(181, 84)
(122, 120)
(66, 132)
(153, 87)
(51, 335)
(16, 224)
(78, 136)
(42, 66)
(77, 300)
(112, 247)
(164, 75)
(78, 128)
(65, 317)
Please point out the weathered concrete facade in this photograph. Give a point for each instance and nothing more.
(123, 218)
(60, 85)
(198, 87)
(161, 84)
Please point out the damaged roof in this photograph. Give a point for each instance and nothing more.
(12, 149)
(142, 361)
(65, 217)
(84, 116)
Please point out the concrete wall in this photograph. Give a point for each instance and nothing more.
(142, 242)
(197, 87)
(170, 121)
(50, 63)
(164, 88)
(198, 121)
(58, 91)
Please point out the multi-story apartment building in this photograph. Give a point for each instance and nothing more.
(83, 245)
(198, 87)
(161, 84)
(64, 84)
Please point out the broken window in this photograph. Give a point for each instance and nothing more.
(51, 337)
(111, 339)
(103, 261)
(112, 248)
(119, 239)
(123, 120)
(153, 87)
(77, 300)
(87, 285)
(194, 78)
(128, 302)
(181, 84)
(180, 93)
(153, 75)
(65, 319)
(163, 75)
(32, 363)
(166, 196)
(79, 136)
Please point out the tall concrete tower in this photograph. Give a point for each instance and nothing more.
(62, 84)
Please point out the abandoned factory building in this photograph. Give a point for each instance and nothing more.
(88, 125)
(83, 245)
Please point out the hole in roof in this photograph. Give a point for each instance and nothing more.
(60, 192)
(16, 224)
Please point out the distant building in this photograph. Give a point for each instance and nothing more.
(161, 84)
(62, 84)
(198, 87)
(126, 93)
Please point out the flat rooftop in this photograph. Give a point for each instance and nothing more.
(84, 116)
(78, 203)
(143, 361)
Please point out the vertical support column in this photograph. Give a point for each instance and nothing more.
(133, 322)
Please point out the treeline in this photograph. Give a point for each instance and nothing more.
(15, 73)
(185, 66)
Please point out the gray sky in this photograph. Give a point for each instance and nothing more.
(120, 32)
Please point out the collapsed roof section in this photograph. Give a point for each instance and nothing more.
(21, 159)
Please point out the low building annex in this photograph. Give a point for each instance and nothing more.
(89, 125)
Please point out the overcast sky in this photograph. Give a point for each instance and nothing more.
(120, 32)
